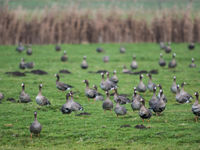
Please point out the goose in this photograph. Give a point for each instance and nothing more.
(144, 113)
(162, 45)
(106, 59)
(120, 110)
(160, 105)
(114, 77)
(35, 127)
(57, 47)
(163, 96)
(136, 104)
(40, 99)
(104, 84)
(125, 70)
(1, 96)
(134, 64)
(62, 86)
(99, 96)
(20, 47)
(122, 50)
(74, 105)
(22, 64)
(196, 107)
(172, 63)
(111, 83)
(66, 108)
(24, 97)
(192, 65)
(141, 86)
(107, 104)
(29, 50)
(90, 93)
(99, 50)
(174, 86)
(162, 62)
(153, 100)
(29, 65)
(64, 57)
(84, 64)
(150, 84)
(183, 92)
(168, 48)
(119, 98)
(181, 98)
(191, 46)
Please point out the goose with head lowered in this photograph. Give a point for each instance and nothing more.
(196, 107)
(57, 47)
(144, 112)
(35, 127)
(122, 50)
(141, 86)
(40, 99)
(24, 97)
(62, 86)
(90, 93)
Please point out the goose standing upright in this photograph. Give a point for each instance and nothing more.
(57, 47)
(40, 99)
(74, 105)
(120, 110)
(104, 84)
(99, 96)
(163, 96)
(111, 83)
(162, 62)
(114, 77)
(192, 65)
(162, 45)
(153, 100)
(134, 64)
(20, 48)
(107, 104)
(66, 108)
(160, 105)
(84, 64)
(90, 93)
(29, 50)
(150, 84)
(141, 86)
(144, 113)
(136, 103)
(191, 46)
(35, 127)
(62, 86)
(174, 86)
(172, 63)
(181, 98)
(24, 97)
(22, 64)
(184, 93)
(168, 48)
(196, 107)
(122, 50)
(64, 57)
(99, 50)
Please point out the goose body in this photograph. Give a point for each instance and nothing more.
(22, 64)
(84, 64)
(114, 78)
(29, 50)
(119, 98)
(136, 103)
(62, 86)
(191, 46)
(162, 45)
(104, 84)
(181, 98)
(122, 50)
(196, 107)
(29, 65)
(141, 86)
(192, 65)
(144, 113)
(172, 63)
(120, 110)
(161, 62)
(168, 49)
(153, 100)
(106, 59)
(57, 47)
(160, 105)
(40, 99)
(99, 96)
(99, 50)
(110, 82)
(90, 93)
(66, 108)
(74, 106)
(134, 64)
(150, 84)
(64, 57)
(24, 97)
(20, 48)
(174, 86)
(35, 127)
(107, 104)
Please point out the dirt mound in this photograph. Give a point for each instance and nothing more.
(141, 126)
(65, 71)
(11, 100)
(39, 72)
(125, 126)
(84, 114)
(16, 73)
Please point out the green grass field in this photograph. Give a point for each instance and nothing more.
(174, 129)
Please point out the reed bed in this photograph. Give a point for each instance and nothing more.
(75, 26)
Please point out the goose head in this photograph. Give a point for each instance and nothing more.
(84, 57)
(142, 101)
(197, 95)
(141, 76)
(134, 57)
(174, 78)
(174, 55)
(23, 86)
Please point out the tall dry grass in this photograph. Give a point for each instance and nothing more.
(73, 26)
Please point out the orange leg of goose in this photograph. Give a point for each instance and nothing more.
(88, 99)
(31, 136)
(148, 120)
(196, 118)
(142, 120)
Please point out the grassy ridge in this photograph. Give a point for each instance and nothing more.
(175, 129)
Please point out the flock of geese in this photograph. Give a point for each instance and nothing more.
(157, 103)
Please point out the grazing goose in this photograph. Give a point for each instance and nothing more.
(192, 65)
(66, 108)
(153, 100)
(64, 57)
(181, 98)
(99, 96)
(163, 96)
(196, 107)
(161, 62)
(107, 104)
(150, 84)
(57, 47)
(22, 64)
(90, 93)
(144, 113)
(125, 70)
(120, 110)
(134, 64)
(136, 104)
(162, 45)
(104, 84)
(84, 64)
(74, 106)
(20, 47)
(24, 97)
(160, 105)
(1, 96)
(106, 59)
(174, 86)
(172, 63)
(29, 50)
(141, 86)
(35, 127)
(122, 50)
(183, 92)
(30, 65)
(191, 46)
(114, 77)
(119, 98)
(40, 99)
(99, 50)
(62, 86)
(168, 48)
(112, 84)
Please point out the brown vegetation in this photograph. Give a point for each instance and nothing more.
(72, 26)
